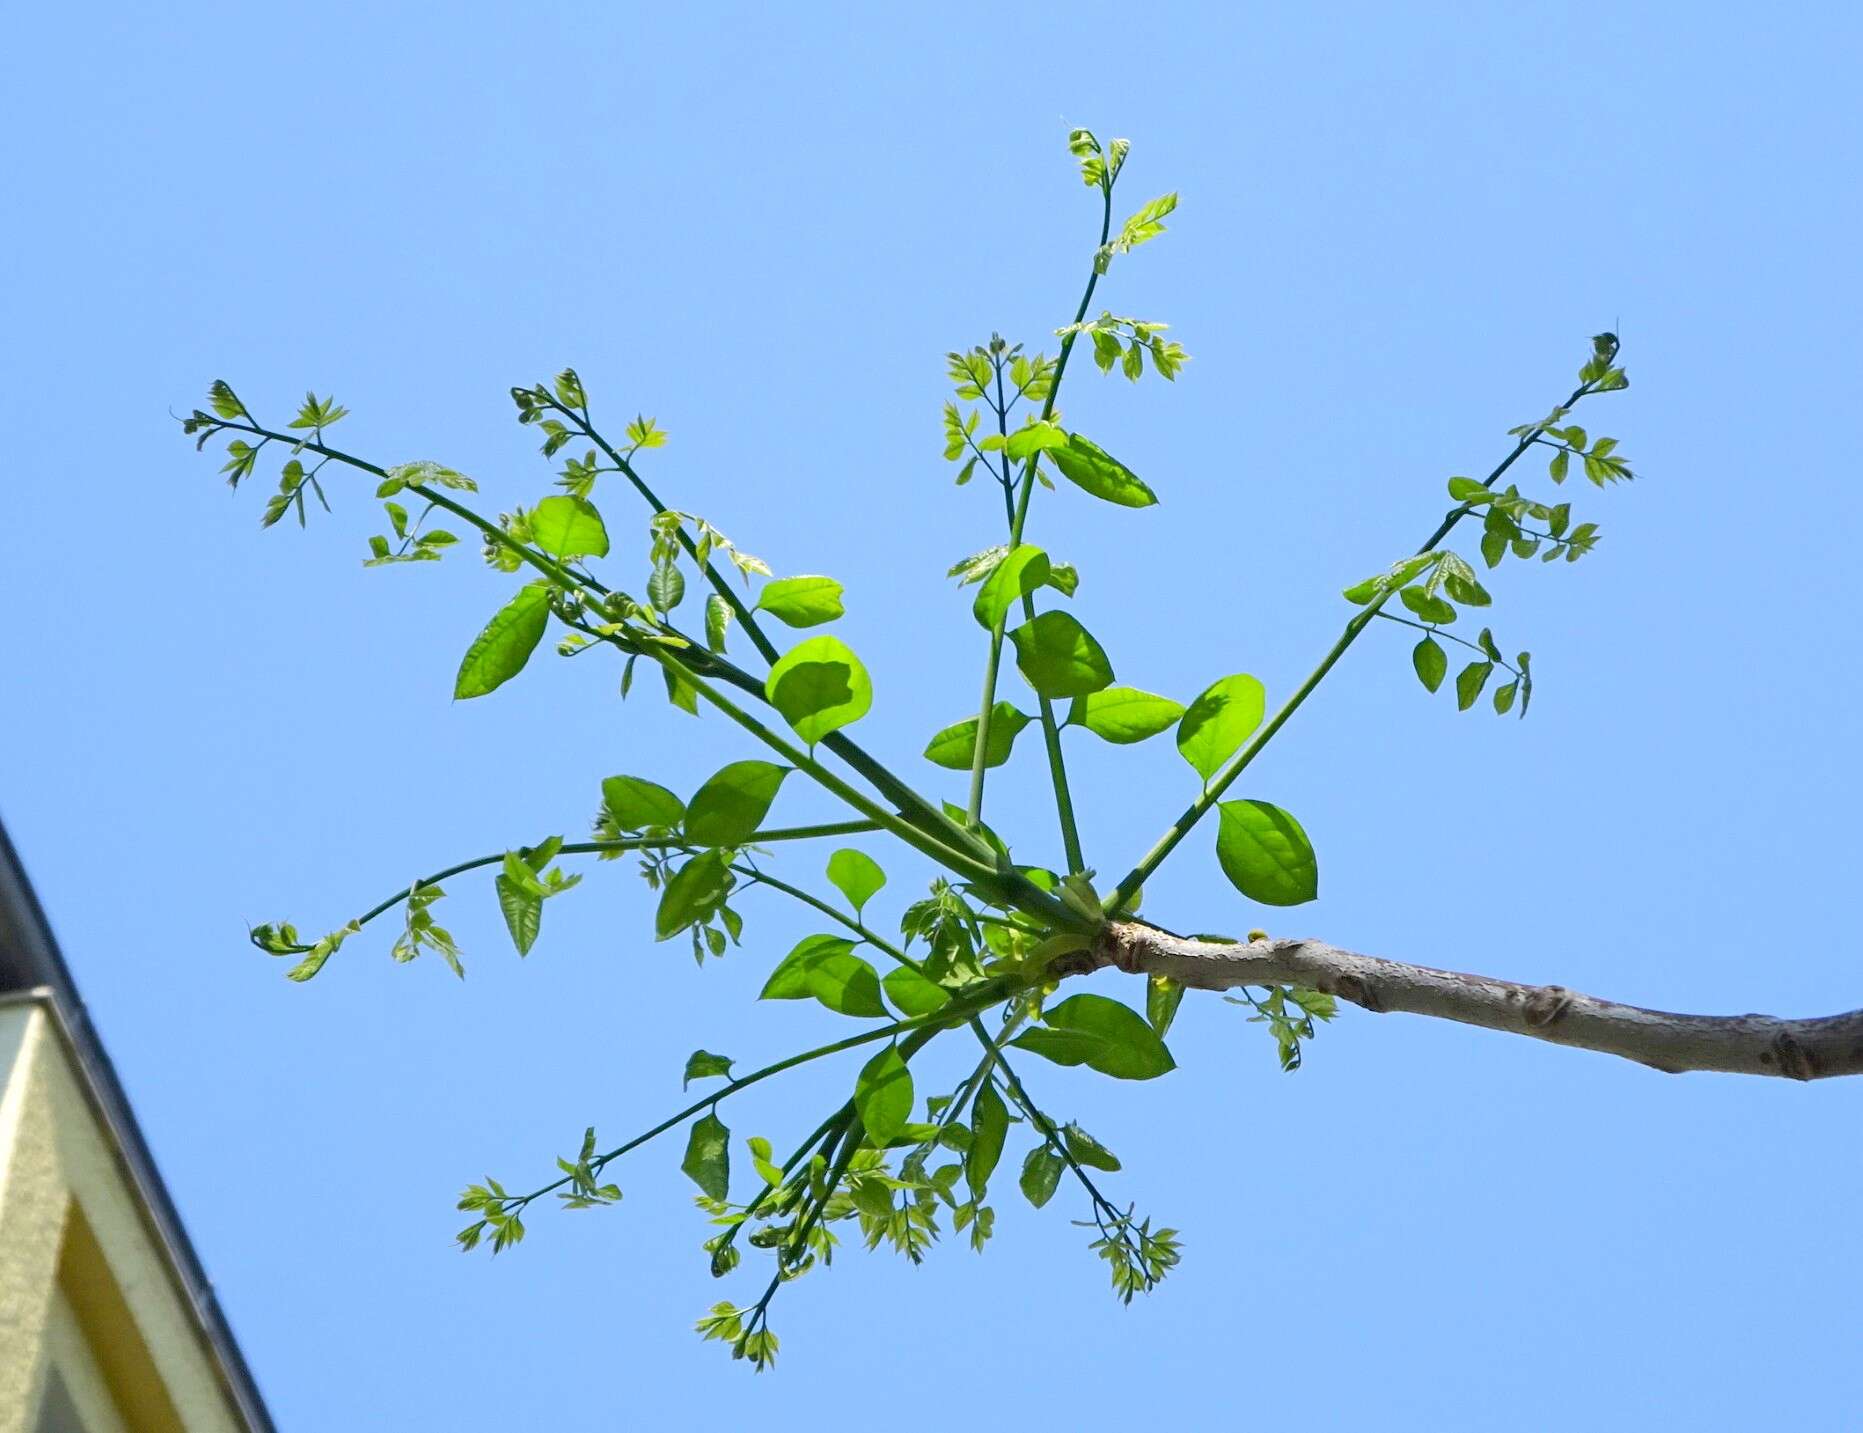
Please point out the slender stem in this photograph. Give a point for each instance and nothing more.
(962, 863)
(1018, 519)
(718, 580)
(1435, 631)
(626, 843)
(1180, 828)
(878, 942)
(920, 1029)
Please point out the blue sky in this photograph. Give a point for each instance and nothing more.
(1399, 226)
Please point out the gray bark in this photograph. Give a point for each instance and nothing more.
(1807, 1049)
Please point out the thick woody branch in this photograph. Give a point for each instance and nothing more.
(1808, 1049)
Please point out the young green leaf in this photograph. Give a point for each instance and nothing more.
(634, 804)
(695, 892)
(1469, 682)
(1059, 657)
(883, 1096)
(819, 686)
(1123, 715)
(1162, 997)
(703, 1065)
(1089, 1151)
(717, 622)
(1266, 854)
(1102, 1034)
(733, 802)
(499, 652)
(989, 1127)
(1021, 571)
(911, 993)
(1431, 662)
(855, 875)
(1041, 1174)
(1219, 721)
(666, 586)
(568, 527)
(802, 601)
(846, 984)
(523, 912)
(1036, 437)
(790, 979)
(954, 747)
(1089, 466)
(708, 1156)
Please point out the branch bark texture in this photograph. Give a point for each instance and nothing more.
(1807, 1049)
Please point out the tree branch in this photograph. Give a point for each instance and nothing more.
(1807, 1049)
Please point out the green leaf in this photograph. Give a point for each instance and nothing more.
(1427, 605)
(883, 1096)
(696, 890)
(1219, 721)
(1089, 466)
(1022, 570)
(989, 1127)
(523, 912)
(717, 622)
(1041, 1174)
(855, 875)
(499, 652)
(911, 993)
(1265, 854)
(954, 747)
(1162, 997)
(846, 984)
(666, 586)
(819, 686)
(566, 526)
(1036, 437)
(1101, 1034)
(790, 979)
(1468, 490)
(708, 1156)
(634, 804)
(703, 1065)
(1059, 657)
(731, 805)
(1469, 682)
(1123, 715)
(1089, 1151)
(1504, 697)
(802, 601)
(1431, 662)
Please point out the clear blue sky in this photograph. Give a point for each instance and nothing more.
(1399, 226)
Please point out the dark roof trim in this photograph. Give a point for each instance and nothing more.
(31, 967)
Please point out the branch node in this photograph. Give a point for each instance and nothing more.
(1360, 992)
(1795, 1062)
(1546, 1005)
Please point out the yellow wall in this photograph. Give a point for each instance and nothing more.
(79, 1261)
